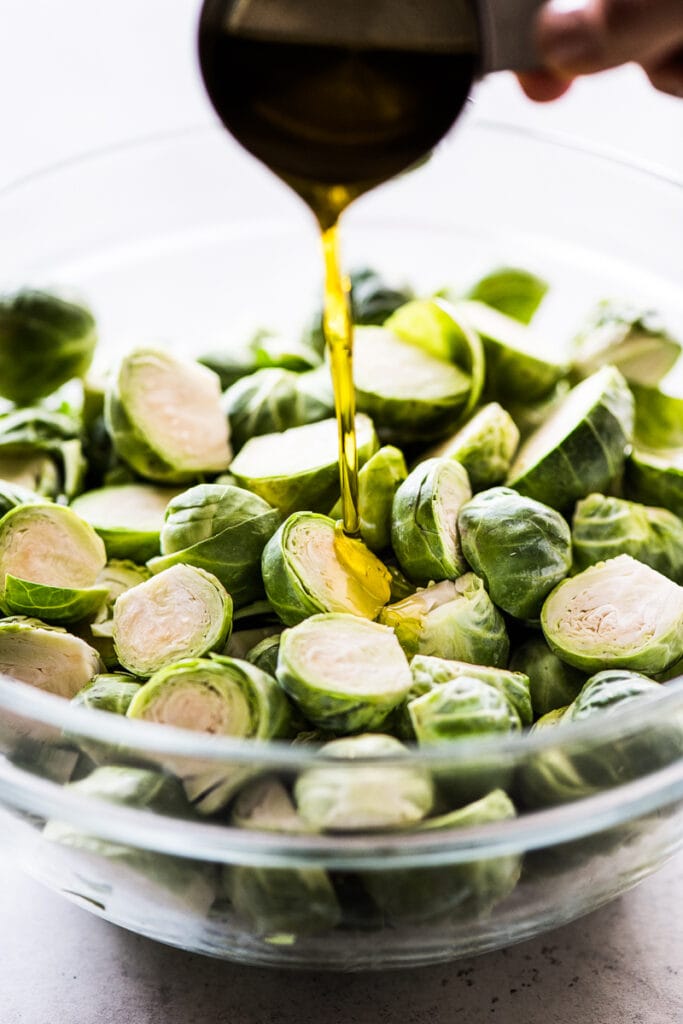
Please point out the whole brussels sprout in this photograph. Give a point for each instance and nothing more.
(272, 400)
(616, 614)
(520, 547)
(429, 673)
(44, 342)
(111, 692)
(485, 446)
(511, 290)
(654, 476)
(424, 531)
(455, 620)
(265, 654)
(552, 682)
(603, 527)
(463, 706)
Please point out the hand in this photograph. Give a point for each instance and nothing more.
(579, 37)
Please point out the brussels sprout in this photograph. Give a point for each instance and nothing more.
(435, 326)
(529, 416)
(519, 547)
(617, 614)
(110, 692)
(655, 477)
(298, 469)
(511, 290)
(310, 566)
(407, 391)
(603, 527)
(553, 683)
(281, 900)
(44, 341)
(453, 891)
(109, 871)
(265, 654)
(659, 418)
(279, 352)
(272, 400)
(183, 612)
(429, 673)
(581, 446)
(373, 796)
(221, 529)
(632, 340)
(424, 531)
(46, 657)
(451, 620)
(13, 495)
(165, 418)
(518, 366)
(399, 583)
(49, 563)
(242, 641)
(230, 364)
(485, 446)
(117, 577)
(345, 673)
(609, 690)
(463, 706)
(41, 449)
(128, 517)
(377, 483)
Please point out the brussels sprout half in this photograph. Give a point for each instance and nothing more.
(310, 566)
(44, 342)
(485, 446)
(581, 446)
(520, 547)
(46, 657)
(165, 418)
(273, 400)
(128, 517)
(655, 477)
(604, 527)
(617, 614)
(183, 612)
(298, 469)
(223, 530)
(424, 532)
(456, 620)
(346, 674)
(552, 683)
(456, 891)
(370, 796)
(511, 290)
(378, 481)
(632, 340)
(278, 901)
(49, 563)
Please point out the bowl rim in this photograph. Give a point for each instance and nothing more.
(32, 704)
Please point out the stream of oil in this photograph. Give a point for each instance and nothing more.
(333, 123)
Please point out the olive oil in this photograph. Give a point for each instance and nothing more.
(333, 122)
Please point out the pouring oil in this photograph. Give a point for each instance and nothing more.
(332, 122)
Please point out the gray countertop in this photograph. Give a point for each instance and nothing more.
(620, 965)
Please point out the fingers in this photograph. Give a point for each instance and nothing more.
(578, 37)
(543, 86)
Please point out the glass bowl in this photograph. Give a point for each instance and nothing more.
(184, 241)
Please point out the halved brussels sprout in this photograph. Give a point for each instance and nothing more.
(378, 480)
(455, 620)
(634, 341)
(518, 364)
(265, 653)
(41, 449)
(617, 614)
(429, 673)
(424, 531)
(520, 547)
(298, 469)
(165, 417)
(310, 566)
(407, 391)
(222, 529)
(345, 673)
(107, 871)
(49, 563)
(463, 706)
(14, 495)
(278, 901)
(553, 683)
(485, 446)
(44, 342)
(659, 417)
(128, 517)
(511, 290)
(603, 527)
(372, 796)
(454, 891)
(117, 577)
(582, 445)
(110, 692)
(273, 400)
(46, 657)
(183, 612)
(654, 476)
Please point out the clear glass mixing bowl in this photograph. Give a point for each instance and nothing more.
(183, 241)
